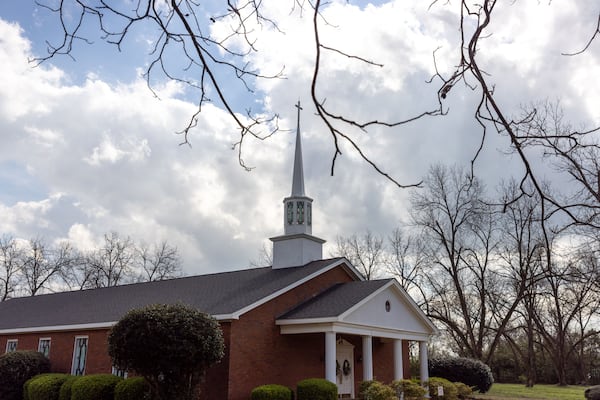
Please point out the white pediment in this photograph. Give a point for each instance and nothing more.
(388, 312)
(389, 308)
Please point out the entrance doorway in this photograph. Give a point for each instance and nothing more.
(344, 368)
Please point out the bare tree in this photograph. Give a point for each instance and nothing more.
(10, 266)
(405, 262)
(42, 264)
(520, 252)
(111, 264)
(365, 252)
(458, 238)
(568, 301)
(161, 261)
(265, 257)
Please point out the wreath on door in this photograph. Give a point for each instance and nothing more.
(346, 369)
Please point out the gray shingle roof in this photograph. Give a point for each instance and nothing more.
(216, 294)
(335, 300)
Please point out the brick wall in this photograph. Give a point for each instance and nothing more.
(61, 349)
(217, 377)
(261, 355)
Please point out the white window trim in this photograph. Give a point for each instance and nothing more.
(75, 352)
(49, 339)
(119, 372)
(16, 341)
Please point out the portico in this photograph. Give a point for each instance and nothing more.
(367, 313)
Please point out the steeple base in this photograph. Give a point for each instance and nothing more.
(296, 250)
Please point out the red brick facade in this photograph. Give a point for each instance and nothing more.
(256, 352)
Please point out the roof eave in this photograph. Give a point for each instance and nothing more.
(59, 328)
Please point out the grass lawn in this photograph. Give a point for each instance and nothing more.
(506, 391)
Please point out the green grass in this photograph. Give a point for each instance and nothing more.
(509, 391)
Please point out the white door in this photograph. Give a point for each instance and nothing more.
(345, 368)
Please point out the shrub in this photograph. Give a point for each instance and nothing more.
(65, 389)
(464, 391)
(16, 368)
(95, 387)
(316, 389)
(169, 345)
(44, 387)
(411, 389)
(271, 392)
(473, 373)
(450, 391)
(379, 391)
(362, 388)
(26, 388)
(136, 388)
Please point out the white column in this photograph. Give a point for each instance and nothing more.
(330, 352)
(367, 350)
(398, 367)
(423, 363)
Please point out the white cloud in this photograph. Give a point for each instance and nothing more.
(27, 214)
(108, 151)
(112, 152)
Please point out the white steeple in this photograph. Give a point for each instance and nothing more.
(297, 246)
(298, 175)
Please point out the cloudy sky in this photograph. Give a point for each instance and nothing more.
(87, 149)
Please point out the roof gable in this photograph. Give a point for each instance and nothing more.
(389, 308)
(380, 305)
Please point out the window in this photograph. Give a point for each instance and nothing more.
(300, 207)
(44, 346)
(119, 372)
(11, 345)
(290, 212)
(79, 355)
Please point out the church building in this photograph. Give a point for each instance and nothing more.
(302, 317)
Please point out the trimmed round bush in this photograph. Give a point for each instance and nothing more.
(18, 367)
(26, 389)
(379, 391)
(95, 387)
(316, 389)
(65, 389)
(592, 393)
(44, 387)
(464, 391)
(450, 391)
(136, 388)
(171, 345)
(271, 392)
(411, 389)
(473, 373)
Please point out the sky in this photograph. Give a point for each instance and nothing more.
(86, 148)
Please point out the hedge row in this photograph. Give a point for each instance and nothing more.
(375, 390)
(439, 389)
(321, 389)
(89, 387)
